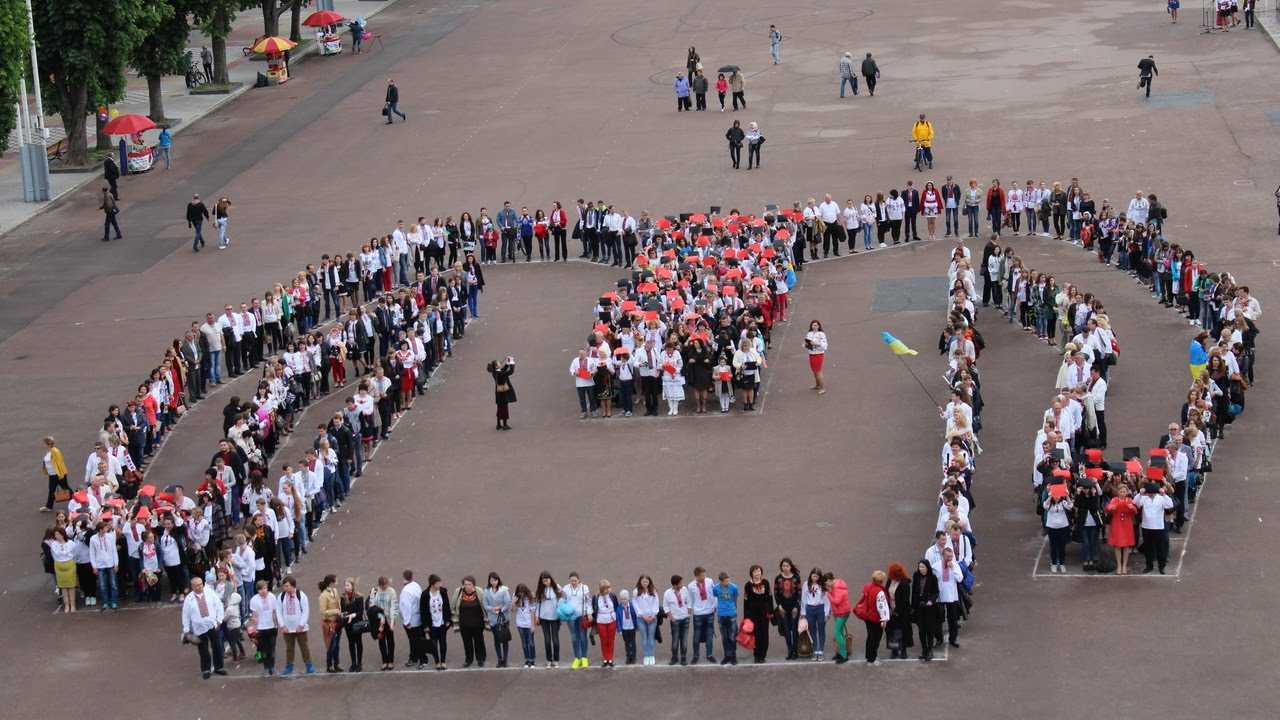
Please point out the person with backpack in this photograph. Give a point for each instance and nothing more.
(873, 610)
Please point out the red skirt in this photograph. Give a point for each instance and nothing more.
(407, 378)
(815, 361)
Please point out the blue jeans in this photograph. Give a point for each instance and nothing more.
(215, 365)
(246, 591)
(729, 636)
(526, 644)
(680, 639)
(473, 301)
(404, 269)
(971, 212)
(1089, 543)
(853, 83)
(704, 631)
(953, 220)
(198, 240)
(647, 631)
(1075, 228)
(816, 616)
(108, 589)
(578, 636)
(286, 551)
(584, 398)
(223, 241)
(866, 236)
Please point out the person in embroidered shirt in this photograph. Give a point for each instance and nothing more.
(294, 614)
(675, 602)
(202, 616)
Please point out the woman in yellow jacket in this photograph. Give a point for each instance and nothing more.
(56, 468)
(331, 621)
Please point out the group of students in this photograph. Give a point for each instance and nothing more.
(1080, 496)
(395, 317)
(694, 317)
(217, 619)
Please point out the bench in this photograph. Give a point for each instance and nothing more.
(56, 151)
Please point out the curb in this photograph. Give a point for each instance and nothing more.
(1270, 24)
(92, 177)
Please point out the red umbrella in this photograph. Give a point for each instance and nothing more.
(323, 18)
(128, 125)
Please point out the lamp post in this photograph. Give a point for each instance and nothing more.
(33, 135)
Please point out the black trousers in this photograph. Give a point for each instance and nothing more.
(874, 634)
(593, 243)
(735, 155)
(753, 153)
(649, 387)
(210, 649)
(438, 644)
(700, 100)
(56, 482)
(831, 239)
(871, 83)
(909, 219)
(387, 647)
(761, 631)
(559, 243)
(231, 350)
(1155, 547)
(417, 646)
(739, 97)
(473, 644)
(952, 612)
(1101, 415)
(109, 222)
(355, 647)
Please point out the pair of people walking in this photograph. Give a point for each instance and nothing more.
(753, 139)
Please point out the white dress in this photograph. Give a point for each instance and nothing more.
(672, 385)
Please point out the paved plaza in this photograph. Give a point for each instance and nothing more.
(547, 100)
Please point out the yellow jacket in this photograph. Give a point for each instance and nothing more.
(330, 604)
(60, 465)
(922, 132)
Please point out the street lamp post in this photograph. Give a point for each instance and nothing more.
(32, 133)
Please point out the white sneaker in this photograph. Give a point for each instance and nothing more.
(881, 244)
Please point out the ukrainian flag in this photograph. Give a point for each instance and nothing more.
(1197, 359)
(897, 346)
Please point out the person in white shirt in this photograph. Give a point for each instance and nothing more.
(646, 604)
(104, 558)
(829, 212)
(949, 577)
(816, 608)
(1138, 209)
(866, 219)
(576, 594)
(672, 365)
(411, 616)
(583, 369)
(851, 220)
(1153, 503)
(1098, 392)
(295, 613)
(815, 342)
(895, 208)
(265, 614)
(676, 603)
(202, 615)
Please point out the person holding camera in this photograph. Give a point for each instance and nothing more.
(1153, 503)
(504, 393)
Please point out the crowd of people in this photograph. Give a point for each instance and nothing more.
(1079, 495)
(373, 325)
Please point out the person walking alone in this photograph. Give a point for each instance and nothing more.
(1146, 71)
(109, 212)
(775, 44)
(735, 137)
(870, 73)
(847, 75)
(206, 59)
(197, 213)
(111, 173)
(164, 146)
(393, 102)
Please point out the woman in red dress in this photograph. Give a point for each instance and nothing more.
(1120, 531)
(404, 359)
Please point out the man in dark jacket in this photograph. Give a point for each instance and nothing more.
(988, 282)
(111, 173)
(197, 213)
(1146, 70)
(870, 73)
(951, 203)
(700, 90)
(911, 207)
(392, 102)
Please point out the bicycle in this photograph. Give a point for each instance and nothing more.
(194, 77)
(919, 159)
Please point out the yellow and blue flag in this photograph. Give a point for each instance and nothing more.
(1197, 359)
(897, 346)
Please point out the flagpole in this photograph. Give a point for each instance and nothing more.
(913, 377)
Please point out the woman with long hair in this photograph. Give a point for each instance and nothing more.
(497, 614)
(786, 597)
(757, 606)
(548, 596)
(526, 612)
(899, 629)
(924, 607)
(331, 622)
(815, 342)
(383, 609)
(353, 617)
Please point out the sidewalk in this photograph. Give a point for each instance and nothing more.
(178, 104)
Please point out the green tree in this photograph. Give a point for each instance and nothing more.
(162, 52)
(84, 47)
(13, 62)
(215, 18)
